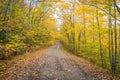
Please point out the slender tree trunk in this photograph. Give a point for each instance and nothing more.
(7, 8)
(30, 7)
(73, 24)
(93, 29)
(100, 41)
(115, 37)
(109, 36)
(84, 24)
(79, 39)
(119, 51)
(112, 51)
(111, 42)
(5, 31)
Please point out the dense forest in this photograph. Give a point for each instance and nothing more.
(87, 28)
(24, 26)
(91, 29)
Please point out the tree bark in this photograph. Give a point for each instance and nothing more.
(84, 24)
(115, 37)
(100, 41)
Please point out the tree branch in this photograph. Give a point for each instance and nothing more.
(118, 8)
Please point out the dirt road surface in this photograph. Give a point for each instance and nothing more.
(54, 64)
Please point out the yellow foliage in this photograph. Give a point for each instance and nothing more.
(65, 5)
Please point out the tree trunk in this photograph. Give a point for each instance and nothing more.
(115, 37)
(79, 39)
(100, 41)
(73, 25)
(84, 24)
